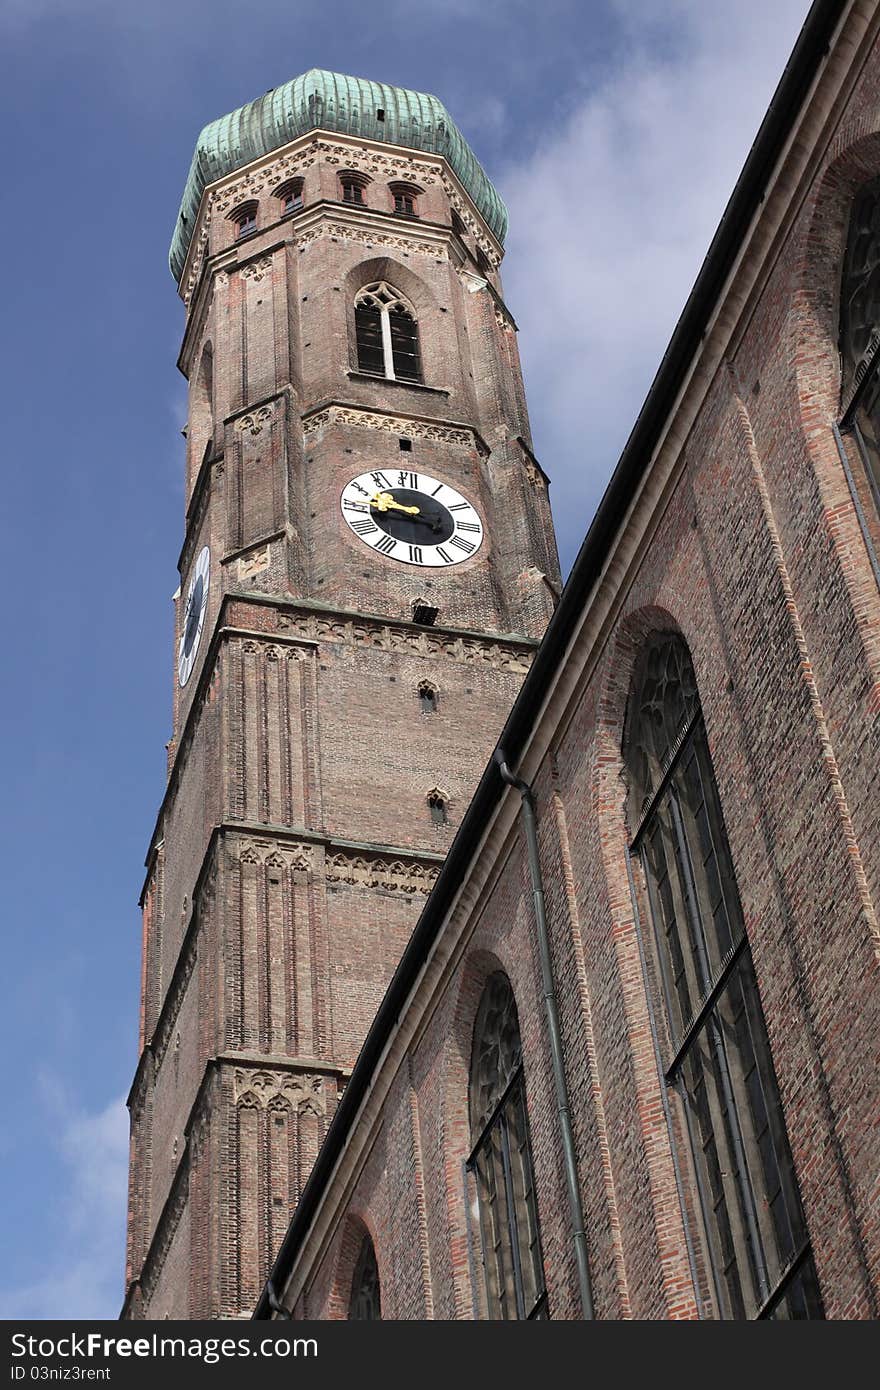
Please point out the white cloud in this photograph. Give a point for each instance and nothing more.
(612, 216)
(84, 1262)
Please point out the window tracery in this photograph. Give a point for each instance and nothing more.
(501, 1160)
(387, 333)
(755, 1258)
(365, 1303)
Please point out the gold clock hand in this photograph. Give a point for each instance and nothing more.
(384, 502)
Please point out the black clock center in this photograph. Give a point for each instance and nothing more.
(432, 524)
(193, 615)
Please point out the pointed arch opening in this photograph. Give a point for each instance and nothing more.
(501, 1160)
(387, 333)
(755, 1251)
(860, 337)
(365, 1300)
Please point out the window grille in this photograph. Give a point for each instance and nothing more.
(387, 334)
(755, 1250)
(501, 1161)
(365, 1304)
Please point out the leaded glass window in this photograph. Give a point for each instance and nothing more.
(365, 1304)
(501, 1160)
(387, 333)
(756, 1255)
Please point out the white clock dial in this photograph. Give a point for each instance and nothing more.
(194, 616)
(412, 517)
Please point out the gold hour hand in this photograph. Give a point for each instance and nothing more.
(384, 502)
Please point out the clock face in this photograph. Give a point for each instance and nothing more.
(194, 616)
(412, 517)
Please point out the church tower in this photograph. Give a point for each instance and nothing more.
(367, 565)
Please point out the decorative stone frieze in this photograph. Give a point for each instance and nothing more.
(394, 875)
(257, 1089)
(254, 421)
(257, 270)
(370, 235)
(390, 424)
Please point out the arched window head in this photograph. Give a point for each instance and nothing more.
(860, 290)
(437, 805)
(860, 342)
(501, 1160)
(429, 698)
(244, 219)
(753, 1256)
(667, 702)
(387, 333)
(405, 199)
(352, 187)
(290, 195)
(365, 1304)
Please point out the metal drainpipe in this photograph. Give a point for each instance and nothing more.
(571, 1177)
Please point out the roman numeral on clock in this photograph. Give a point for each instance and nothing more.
(356, 507)
(467, 546)
(380, 480)
(387, 545)
(466, 526)
(410, 480)
(447, 559)
(415, 554)
(459, 507)
(365, 527)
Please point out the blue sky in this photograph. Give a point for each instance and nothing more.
(615, 130)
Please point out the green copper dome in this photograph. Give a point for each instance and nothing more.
(328, 101)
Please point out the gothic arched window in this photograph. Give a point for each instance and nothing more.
(501, 1160)
(754, 1257)
(365, 1304)
(387, 333)
(860, 333)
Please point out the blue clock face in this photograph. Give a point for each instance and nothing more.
(194, 616)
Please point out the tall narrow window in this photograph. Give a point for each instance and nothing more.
(365, 1304)
(501, 1160)
(755, 1249)
(387, 334)
(860, 338)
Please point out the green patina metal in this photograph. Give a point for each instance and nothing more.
(321, 100)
